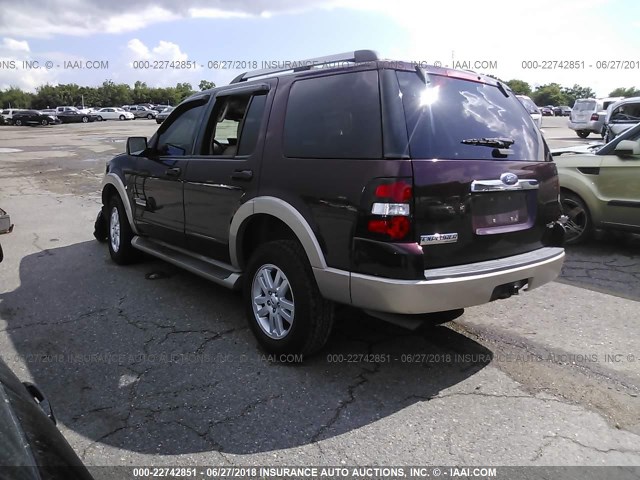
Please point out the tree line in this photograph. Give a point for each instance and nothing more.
(109, 94)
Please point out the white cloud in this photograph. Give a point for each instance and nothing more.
(14, 45)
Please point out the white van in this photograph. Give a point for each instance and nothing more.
(532, 108)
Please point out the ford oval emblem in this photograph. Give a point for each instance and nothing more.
(509, 178)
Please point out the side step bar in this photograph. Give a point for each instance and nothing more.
(210, 269)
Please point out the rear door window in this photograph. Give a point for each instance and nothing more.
(446, 111)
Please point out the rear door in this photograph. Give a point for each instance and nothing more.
(225, 172)
(582, 110)
(484, 187)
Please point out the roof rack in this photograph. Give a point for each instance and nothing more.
(357, 56)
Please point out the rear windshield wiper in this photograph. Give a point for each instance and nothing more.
(490, 142)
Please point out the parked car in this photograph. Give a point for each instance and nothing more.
(141, 111)
(562, 111)
(599, 189)
(621, 116)
(162, 116)
(546, 111)
(113, 113)
(532, 108)
(160, 108)
(7, 113)
(588, 115)
(32, 117)
(71, 116)
(296, 198)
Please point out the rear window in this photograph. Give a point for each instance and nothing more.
(584, 106)
(336, 116)
(446, 111)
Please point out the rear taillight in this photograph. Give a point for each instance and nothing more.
(594, 117)
(391, 209)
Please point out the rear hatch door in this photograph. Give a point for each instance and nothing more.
(484, 185)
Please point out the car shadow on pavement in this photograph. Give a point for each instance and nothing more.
(151, 359)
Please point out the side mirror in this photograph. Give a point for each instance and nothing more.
(136, 145)
(627, 147)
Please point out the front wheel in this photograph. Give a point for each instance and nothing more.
(44, 122)
(99, 118)
(85, 119)
(17, 123)
(583, 133)
(120, 233)
(284, 307)
(121, 117)
(150, 116)
(579, 226)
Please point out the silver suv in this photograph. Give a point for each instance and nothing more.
(588, 115)
(140, 111)
(621, 116)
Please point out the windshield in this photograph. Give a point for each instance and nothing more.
(474, 120)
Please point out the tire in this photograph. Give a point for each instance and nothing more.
(311, 316)
(44, 122)
(85, 119)
(579, 227)
(150, 116)
(99, 118)
(17, 123)
(583, 133)
(121, 117)
(119, 233)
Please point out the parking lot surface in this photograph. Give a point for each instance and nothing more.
(151, 365)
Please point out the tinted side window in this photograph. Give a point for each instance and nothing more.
(445, 111)
(179, 136)
(336, 116)
(251, 125)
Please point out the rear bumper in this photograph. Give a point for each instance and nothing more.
(594, 126)
(454, 287)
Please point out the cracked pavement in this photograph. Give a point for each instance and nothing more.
(151, 365)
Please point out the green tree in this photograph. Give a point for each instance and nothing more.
(625, 92)
(519, 87)
(550, 94)
(206, 85)
(15, 98)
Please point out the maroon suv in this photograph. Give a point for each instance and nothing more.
(344, 179)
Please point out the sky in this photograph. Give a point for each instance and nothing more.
(527, 40)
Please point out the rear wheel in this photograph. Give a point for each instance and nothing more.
(99, 118)
(579, 226)
(119, 233)
(85, 119)
(44, 122)
(284, 307)
(583, 133)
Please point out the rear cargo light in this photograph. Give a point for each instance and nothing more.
(393, 203)
(594, 117)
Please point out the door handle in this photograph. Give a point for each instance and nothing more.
(242, 175)
(172, 172)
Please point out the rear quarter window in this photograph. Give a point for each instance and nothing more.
(335, 116)
(445, 111)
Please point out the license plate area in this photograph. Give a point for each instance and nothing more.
(502, 212)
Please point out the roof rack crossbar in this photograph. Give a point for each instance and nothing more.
(357, 56)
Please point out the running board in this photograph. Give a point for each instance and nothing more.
(208, 268)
